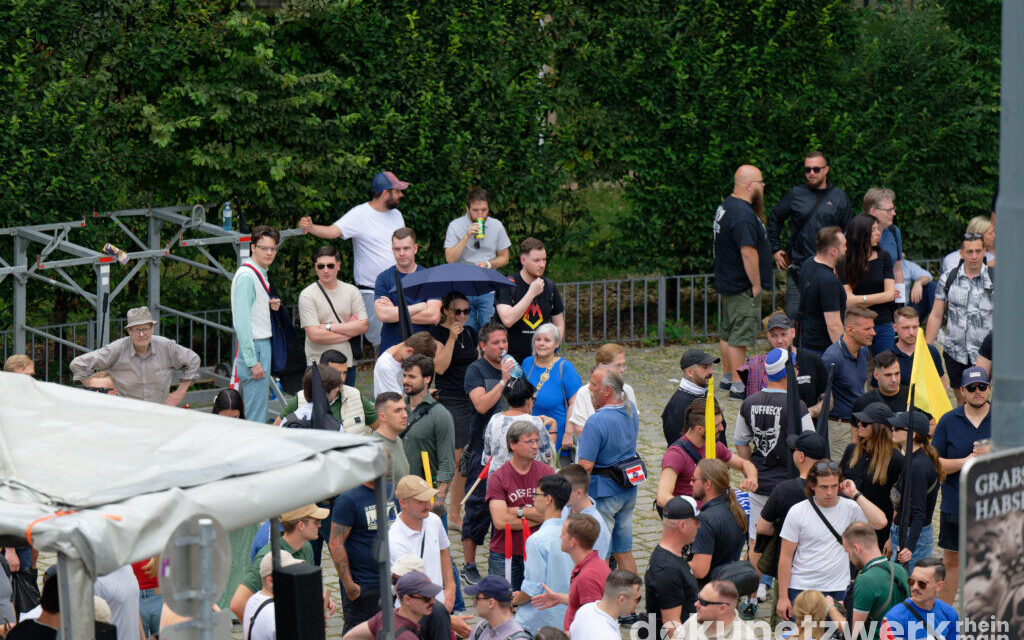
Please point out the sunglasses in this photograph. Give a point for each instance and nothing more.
(813, 169)
(460, 312)
(708, 603)
(326, 266)
(921, 584)
(977, 386)
(825, 467)
(973, 236)
(101, 389)
(426, 599)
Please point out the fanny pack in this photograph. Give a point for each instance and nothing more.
(627, 473)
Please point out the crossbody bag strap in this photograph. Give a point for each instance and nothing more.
(259, 276)
(252, 620)
(329, 303)
(828, 524)
(927, 628)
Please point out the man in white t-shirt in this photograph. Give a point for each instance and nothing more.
(476, 238)
(331, 312)
(811, 555)
(600, 620)
(121, 591)
(419, 531)
(369, 226)
(259, 610)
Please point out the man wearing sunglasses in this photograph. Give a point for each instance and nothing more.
(961, 434)
(331, 312)
(811, 206)
(716, 612)
(908, 619)
(962, 314)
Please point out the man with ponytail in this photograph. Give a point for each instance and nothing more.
(723, 524)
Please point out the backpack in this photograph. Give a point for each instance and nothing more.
(949, 284)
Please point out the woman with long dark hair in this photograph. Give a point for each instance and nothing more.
(868, 278)
(456, 350)
(874, 462)
(926, 475)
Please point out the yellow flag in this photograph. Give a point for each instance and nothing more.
(929, 394)
(709, 420)
(426, 471)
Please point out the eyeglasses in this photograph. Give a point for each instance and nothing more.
(708, 603)
(825, 467)
(460, 312)
(270, 249)
(814, 169)
(326, 266)
(885, 209)
(977, 386)
(101, 389)
(921, 584)
(138, 331)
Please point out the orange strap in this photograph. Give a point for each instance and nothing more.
(28, 531)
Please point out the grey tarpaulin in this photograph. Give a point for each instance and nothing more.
(132, 471)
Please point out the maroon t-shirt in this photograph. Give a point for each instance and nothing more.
(678, 460)
(586, 584)
(516, 490)
(405, 628)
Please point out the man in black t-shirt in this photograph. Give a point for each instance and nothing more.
(889, 391)
(485, 384)
(671, 587)
(809, 207)
(742, 268)
(822, 298)
(533, 301)
(696, 366)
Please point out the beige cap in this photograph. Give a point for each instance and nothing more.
(414, 487)
(137, 316)
(406, 563)
(102, 610)
(267, 563)
(308, 511)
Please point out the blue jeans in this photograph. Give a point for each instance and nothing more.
(885, 338)
(481, 309)
(255, 393)
(496, 567)
(618, 512)
(922, 549)
(150, 605)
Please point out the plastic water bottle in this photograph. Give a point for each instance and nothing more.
(225, 222)
(516, 371)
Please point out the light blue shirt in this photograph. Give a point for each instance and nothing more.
(604, 539)
(609, 436)
(545, 563)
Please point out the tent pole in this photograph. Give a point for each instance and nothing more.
(380, 552)
(77, 614)
(275, 543)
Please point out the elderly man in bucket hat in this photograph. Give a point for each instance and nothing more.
(142, 365)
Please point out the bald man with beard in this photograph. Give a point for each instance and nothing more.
(743, 265)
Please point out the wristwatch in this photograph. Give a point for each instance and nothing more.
(519, 513)
(328, 327)
(857, 496)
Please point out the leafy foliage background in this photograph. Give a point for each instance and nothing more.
(112, 104)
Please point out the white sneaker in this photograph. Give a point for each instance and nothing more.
(762, 592)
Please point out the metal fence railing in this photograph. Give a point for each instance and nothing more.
(645, 310)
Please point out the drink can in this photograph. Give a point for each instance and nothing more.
(480, 234)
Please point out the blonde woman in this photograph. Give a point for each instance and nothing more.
(555, 378)
(812, 610)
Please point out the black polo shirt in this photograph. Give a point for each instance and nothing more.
(669, 583)
(719, 535)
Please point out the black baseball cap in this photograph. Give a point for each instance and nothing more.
(902, 421)
(874, 412)
(809, 443)
(694, 356)
(495, 587)
(779, 321)
(680, 508)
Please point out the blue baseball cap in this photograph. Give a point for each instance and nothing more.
(973, 375)
(386, 180)
(495, 587)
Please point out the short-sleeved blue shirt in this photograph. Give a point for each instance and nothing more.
(357, 509)
(562, 383)
(954, 437)
(609, 436)
(390, 333)
(851, 374)
(906, 626)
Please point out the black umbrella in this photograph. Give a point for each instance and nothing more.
(821, 426)
(905, 498)
(321, 417)
(467, 279)
(792, 425)
(404, 321)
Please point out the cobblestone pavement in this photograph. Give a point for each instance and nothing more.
(654, 374)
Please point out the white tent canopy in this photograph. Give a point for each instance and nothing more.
(131, 471)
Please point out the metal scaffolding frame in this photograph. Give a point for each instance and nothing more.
(192, 231)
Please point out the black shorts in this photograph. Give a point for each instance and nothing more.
(955, 370)
(949, 532)
(462, 415)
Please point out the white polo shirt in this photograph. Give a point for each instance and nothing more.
(426, 545)
(591, 623)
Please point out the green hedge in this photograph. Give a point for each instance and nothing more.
(129, 103)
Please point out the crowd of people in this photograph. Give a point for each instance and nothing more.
(493, 436)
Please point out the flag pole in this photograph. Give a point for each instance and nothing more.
(710, 434)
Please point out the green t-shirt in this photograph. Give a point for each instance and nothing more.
(398, 467)
(251, 578)
(369, 411)
(871, 590)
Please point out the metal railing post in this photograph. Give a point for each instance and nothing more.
(20, 283)
(661, 310)
(153, 265)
